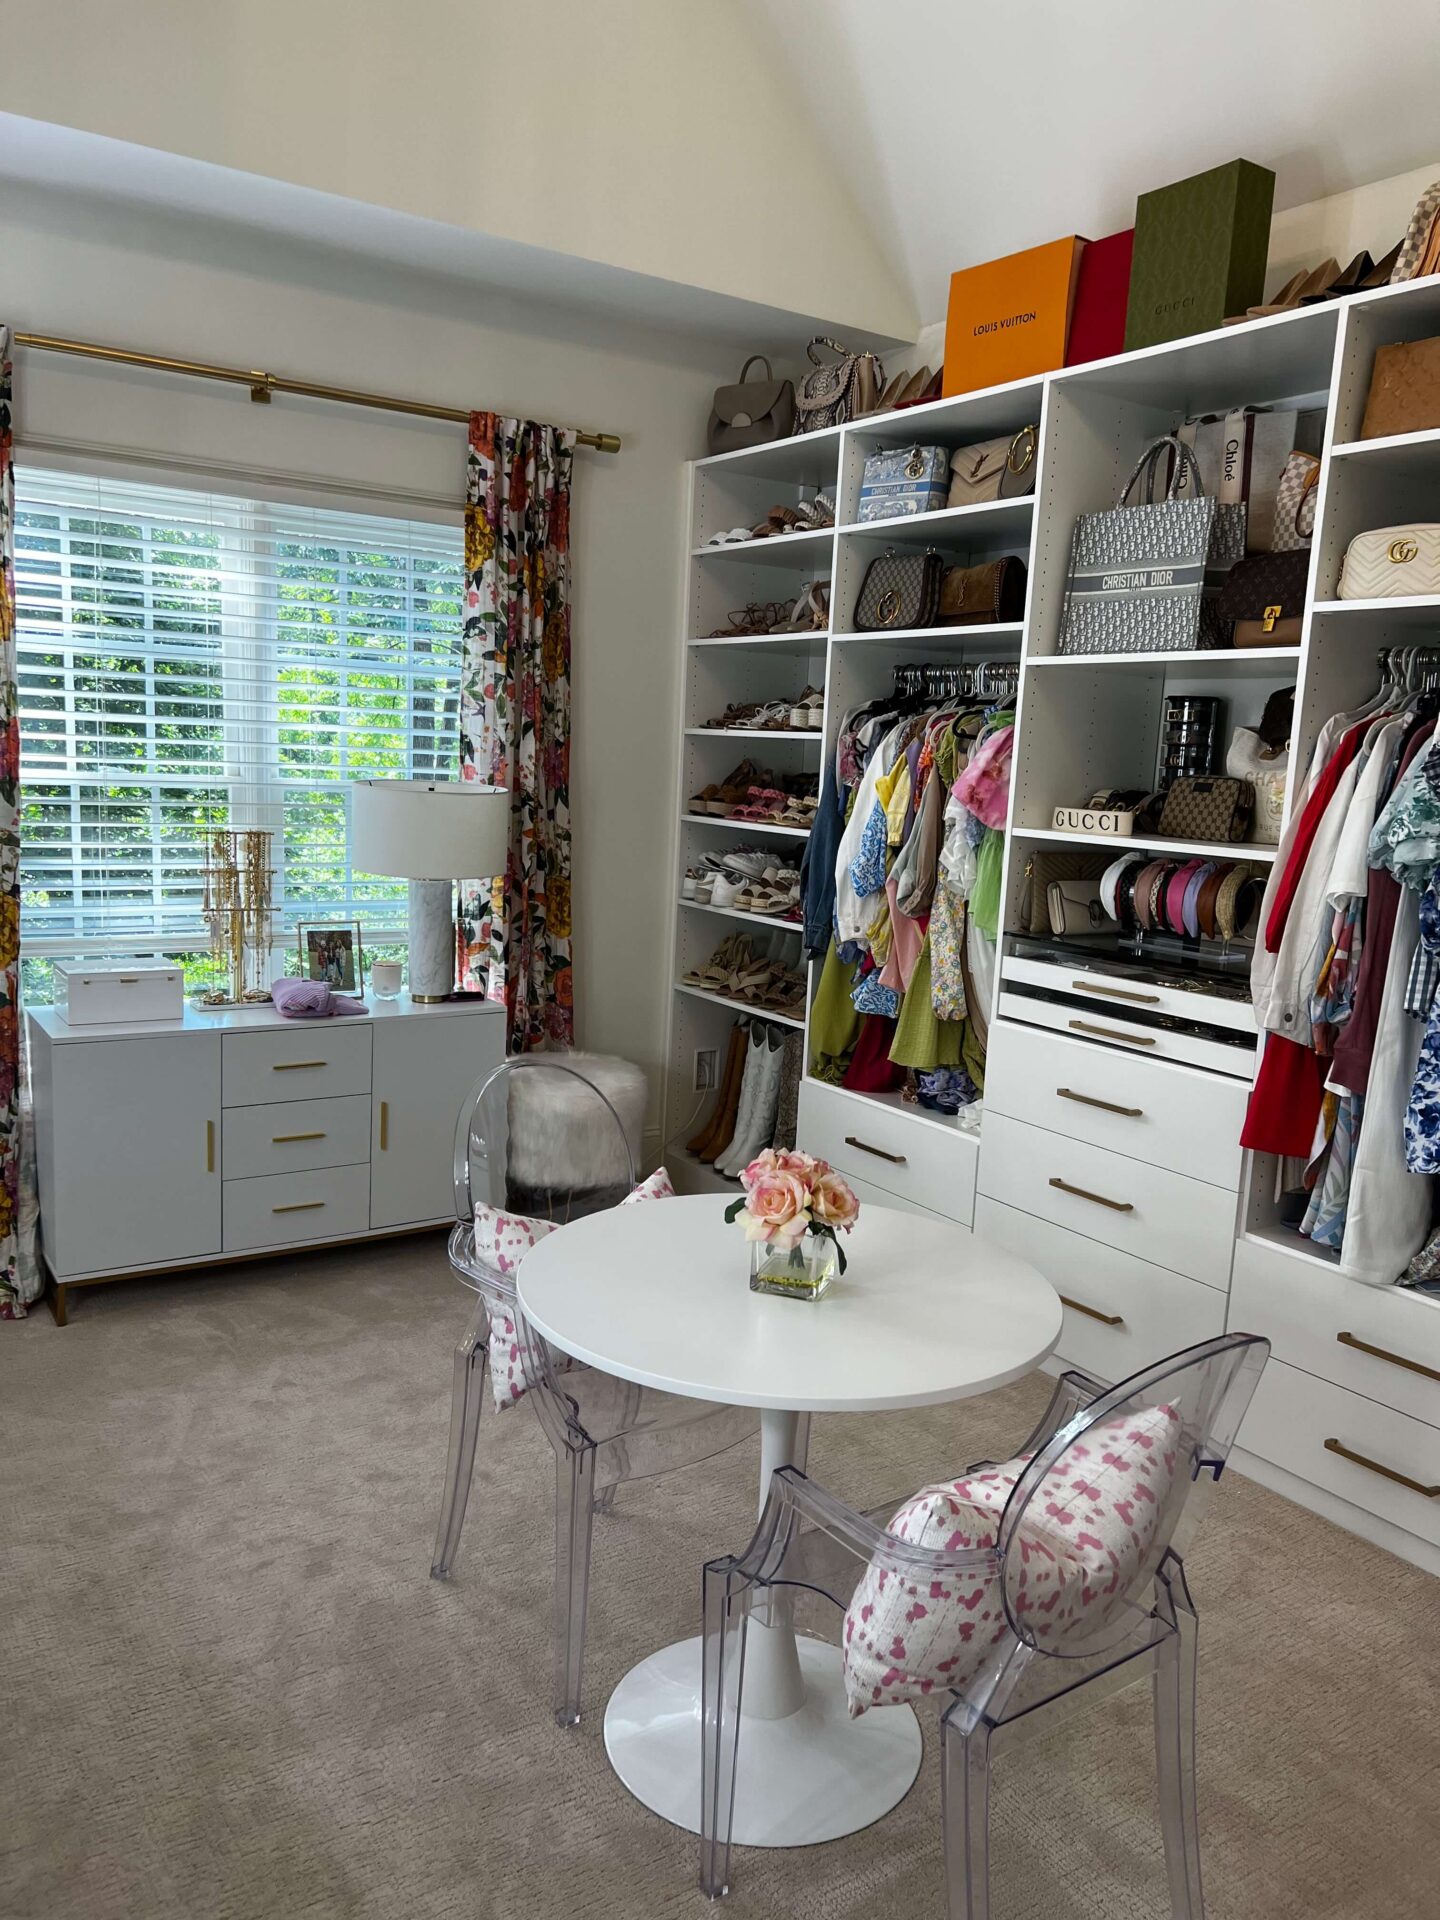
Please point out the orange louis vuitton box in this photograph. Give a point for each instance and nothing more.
(1009, 319)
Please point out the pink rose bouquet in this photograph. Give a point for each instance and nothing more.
(788, 1195)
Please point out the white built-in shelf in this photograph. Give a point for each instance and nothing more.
(1148, 843)
(699, 1176)
(739, 1006)
(1419, 610)
(1284, 356)
(804, 460)
(948, 1123)
(978, 635)
(1286, 1240)
(779, 549)
(1259, 663)
(1413, 456)
(810, 640)
(754, 733)
(988, 520)
(959, 419)
(743, 826)
(776, 920)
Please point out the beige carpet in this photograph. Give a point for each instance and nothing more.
(230, 1688)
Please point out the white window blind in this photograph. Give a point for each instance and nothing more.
(189, 660)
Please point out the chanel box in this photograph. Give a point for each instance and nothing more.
(1200, 250)
(92, 996)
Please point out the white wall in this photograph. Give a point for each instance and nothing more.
(660, 136)
(106, 273)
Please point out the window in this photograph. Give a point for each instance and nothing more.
(187, 660)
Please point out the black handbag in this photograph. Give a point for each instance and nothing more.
(752, 411)
(1263, 600)
(900, 590)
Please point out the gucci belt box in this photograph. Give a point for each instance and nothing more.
(90, 996)
(1200, 250)
(1010, 319)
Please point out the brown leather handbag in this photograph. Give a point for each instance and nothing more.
(1263, 599)
(751, 412)
(1404, 392)
(981, 596)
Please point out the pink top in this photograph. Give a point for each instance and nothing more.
(984, 784)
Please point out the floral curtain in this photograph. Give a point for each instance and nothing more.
(19, 1272)
(514, 941)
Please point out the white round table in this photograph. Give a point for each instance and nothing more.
(659, 1294)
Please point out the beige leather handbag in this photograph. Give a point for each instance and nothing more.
(1392, 563)
(1002, 469)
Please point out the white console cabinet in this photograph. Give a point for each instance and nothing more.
(167, 1145)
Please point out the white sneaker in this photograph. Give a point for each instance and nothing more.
(726, 887)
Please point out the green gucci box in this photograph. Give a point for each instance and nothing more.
(1200, 249)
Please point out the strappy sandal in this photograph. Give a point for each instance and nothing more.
(747, 621)
(808, 713)
(740, 713)
(720, 966)
(764, 803)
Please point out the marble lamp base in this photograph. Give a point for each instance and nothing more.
(432, 939)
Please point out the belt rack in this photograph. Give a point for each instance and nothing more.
(988, 680)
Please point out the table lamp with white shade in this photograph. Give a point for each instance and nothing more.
(431, 833)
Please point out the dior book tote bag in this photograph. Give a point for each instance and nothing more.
(1138, 574)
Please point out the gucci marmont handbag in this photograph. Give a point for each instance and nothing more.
(900, 590)
(1392, 563)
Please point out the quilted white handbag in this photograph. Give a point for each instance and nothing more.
(1391, 563)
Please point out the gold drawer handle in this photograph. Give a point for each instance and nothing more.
(1084, 1193)
(1092, 1313)
(863, 1146)
(209, 1146)
(128, 979)
(294, 1066)
(1104, 1033)
(299, 1206)
(1385, 1473)
(384, 1126)
(1116, 993)
(283, 1139)
(1105, 1106)
(1395, 1359)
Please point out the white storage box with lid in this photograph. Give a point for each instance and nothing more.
(91, 996)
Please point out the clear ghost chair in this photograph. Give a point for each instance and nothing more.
(603, 1430)
(810, 1550)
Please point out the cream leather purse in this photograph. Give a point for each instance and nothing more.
(1391, 563)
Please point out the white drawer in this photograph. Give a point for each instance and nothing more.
(1117, 995)
(1121, 1314)
(1107, 1029)
(1158, 1216)
(883, 1144)
(320, 1059)
(869, 1195)
(331, 1203)
(1292, 1417)
(1303, 1310)
(295, 1136)
(1167, 1115)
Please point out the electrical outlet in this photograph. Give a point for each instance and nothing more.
(705, 1069)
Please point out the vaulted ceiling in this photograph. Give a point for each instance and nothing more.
(966, 130)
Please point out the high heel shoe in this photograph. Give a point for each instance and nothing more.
(1297, 288)
(1343, 283)
(1379, 274)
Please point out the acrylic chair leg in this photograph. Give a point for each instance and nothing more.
(574, 1514)
(1175, 1762)
(466, 1402)
(721, 1673)
(965, 1815)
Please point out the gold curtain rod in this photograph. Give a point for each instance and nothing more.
(262, 385)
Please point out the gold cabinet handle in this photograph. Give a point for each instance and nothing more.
(1104, 1033)
(1395, 1359)
(283, 1139)
(1084, 1193)
(209, 1146)
(384, 1126)
(1092, 1313)
(1385, 1473)
(1105, 1106)
(295, 1066)
(1116, 993)
(863, 1146)
(299, 1206)
(128, 979)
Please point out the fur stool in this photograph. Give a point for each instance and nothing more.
(565, 1158)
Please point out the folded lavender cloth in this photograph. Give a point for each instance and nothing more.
(311, 1000)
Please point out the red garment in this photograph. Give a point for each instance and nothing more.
(871, 1069)
(1310, 820)
(1285, 1100)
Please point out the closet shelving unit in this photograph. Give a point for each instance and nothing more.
(1195, 1243)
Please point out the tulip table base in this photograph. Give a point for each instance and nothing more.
(814, 1775)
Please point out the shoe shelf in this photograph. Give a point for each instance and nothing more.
(777, 549)
(990, 520)
(775, 921)
(806, 641)
(739, 1006)
(743, 827)
(753, 733)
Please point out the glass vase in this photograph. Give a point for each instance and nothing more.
(801, 1271)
